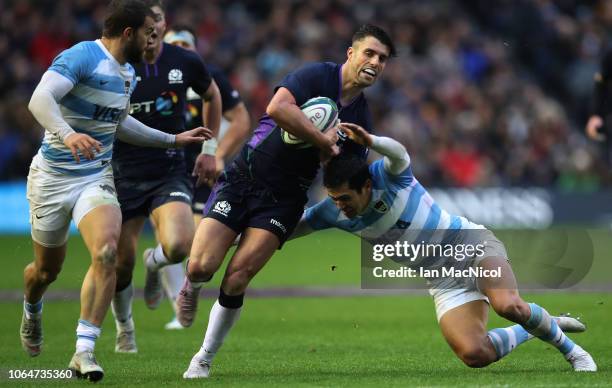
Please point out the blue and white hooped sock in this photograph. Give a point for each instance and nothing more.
(540, 324)
(506, 339)
(87, 334)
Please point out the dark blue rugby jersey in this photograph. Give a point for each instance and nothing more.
(290, 167)
(229, 99)
(159, 101)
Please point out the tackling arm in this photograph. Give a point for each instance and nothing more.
(396, 157)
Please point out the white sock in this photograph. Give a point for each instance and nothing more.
(157, 260)
(122, 309)
(220, 322)
(173, 277)
(87, 334)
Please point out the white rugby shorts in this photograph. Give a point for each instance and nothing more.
(56, 198)
(448, 298)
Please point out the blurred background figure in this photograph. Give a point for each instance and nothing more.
(466, 88)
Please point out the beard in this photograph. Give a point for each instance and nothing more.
(133, 53)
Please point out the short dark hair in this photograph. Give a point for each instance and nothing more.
(346, 167)
(122, 14)
(159, 3)
(371, 30)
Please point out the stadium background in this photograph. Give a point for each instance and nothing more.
(490, 98)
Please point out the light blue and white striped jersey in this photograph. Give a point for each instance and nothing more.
(96, 104)
(400, 206)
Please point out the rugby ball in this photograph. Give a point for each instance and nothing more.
(322, 113)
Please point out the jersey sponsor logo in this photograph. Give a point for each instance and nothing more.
(175, 76)
(104, 113)
(180, 194)
(141, 107)
(381, 207)
(165, 103)
(278, 225)
(223, 208)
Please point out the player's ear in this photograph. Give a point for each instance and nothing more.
(128, 32)
(349, 52)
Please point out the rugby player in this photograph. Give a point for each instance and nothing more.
(385, 198)
(599, 125)
(263, 193)
(82, 102)
(233, 133)
(153, 182)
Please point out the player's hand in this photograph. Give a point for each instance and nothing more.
(356, 133)
(329, 148)
(592, 128)
(205, 169)
(197, 135)
(83, 144)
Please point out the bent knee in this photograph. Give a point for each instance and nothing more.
(475, 357)
(177, 250)
(203, 266)
(106, 255)
(47, 276)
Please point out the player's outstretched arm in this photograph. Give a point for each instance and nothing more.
(44, 105)
(395, 154)
(285, 112)
(134, 132)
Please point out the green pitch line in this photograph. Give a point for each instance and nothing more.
(332, 259)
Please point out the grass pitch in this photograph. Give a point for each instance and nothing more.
(323, 341)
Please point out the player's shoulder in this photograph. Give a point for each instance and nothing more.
(321, 68)
(175, 53)
(82, 50)
(377, 169)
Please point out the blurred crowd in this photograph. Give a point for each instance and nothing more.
(482, 93)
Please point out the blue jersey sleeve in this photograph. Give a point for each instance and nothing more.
(379, 174)
(321, 215)
(72, 63)
(305, 83)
